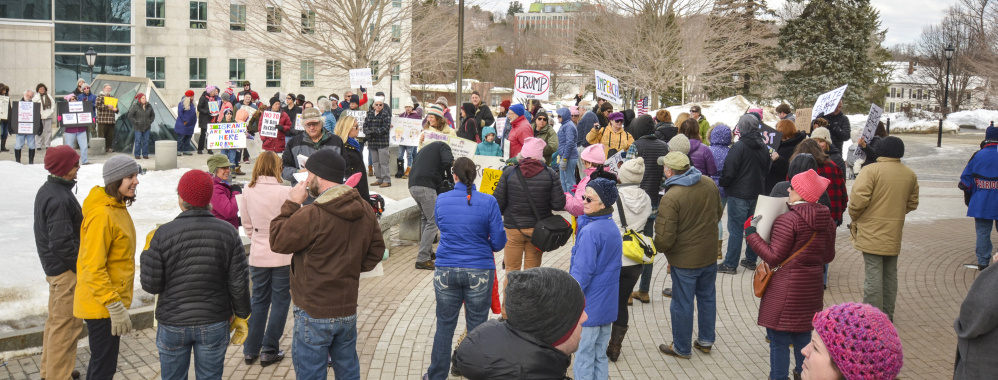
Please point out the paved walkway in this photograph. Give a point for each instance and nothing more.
(396, 317)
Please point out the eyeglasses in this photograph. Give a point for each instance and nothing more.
(588, 199)
(313, 124)
(542, 119)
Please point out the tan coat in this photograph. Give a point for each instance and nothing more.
(881, 197)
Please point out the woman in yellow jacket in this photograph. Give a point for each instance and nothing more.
(614, 139)
(105, 270)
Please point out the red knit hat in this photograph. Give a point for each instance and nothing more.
(505, 104)
(139, 95)
(59, 160)
(196, 187)
(189, 94)
(809, 185)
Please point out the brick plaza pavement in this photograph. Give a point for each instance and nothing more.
(396, 313)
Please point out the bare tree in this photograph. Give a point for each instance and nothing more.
(931, 58)
(434, 40)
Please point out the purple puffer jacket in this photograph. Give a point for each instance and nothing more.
(702, 159)
(720, 143)
(223, 202)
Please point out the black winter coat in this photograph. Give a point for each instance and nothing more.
(197, 265)
(57, 226)
(666, 131)
(840, 129)
(204, 113)
(778, 172)
(355, 164)
(431, 165)
(650, 148)
(745, 168)
(377, 127)
(543, 187)
(496, 351)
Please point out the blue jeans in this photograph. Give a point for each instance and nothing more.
(208, 343)
(233, 155)
(645, 283)
(739, 210)
(271, 293)
(184, 143)
(406, 151)
(141, 144)
(984, 246)
(779, 352)
(687, 283)
(21, 139)
(81, 140)
(568, 175)
(3, 129)
(315, 340)
(454, 287)
(591, 362)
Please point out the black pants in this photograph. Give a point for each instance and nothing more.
(628, 277)
(103, 350)
(203, 138)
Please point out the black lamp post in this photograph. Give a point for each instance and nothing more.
(734, 78)
(91, 59)
(948, 51)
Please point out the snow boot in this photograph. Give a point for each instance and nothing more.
(370, 171)
(406, 175)
(3, 145)
(17, 155)
(616, 341)
(401, 169)
(31, 156)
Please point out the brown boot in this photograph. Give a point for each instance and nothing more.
(641, 296)
(616, 341)
(238, 171)
(370, 170)
(720, 254)
(406, 175)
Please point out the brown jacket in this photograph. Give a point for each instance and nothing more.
(333, 240)
(883, 194)
(686, 225)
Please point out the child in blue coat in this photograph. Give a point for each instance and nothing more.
(488, 146)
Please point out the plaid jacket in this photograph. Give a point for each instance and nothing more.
(105, 114)
(376, 128)
(837, 194)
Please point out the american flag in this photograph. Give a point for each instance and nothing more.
(642, 108)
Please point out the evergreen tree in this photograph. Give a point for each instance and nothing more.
(832, 43)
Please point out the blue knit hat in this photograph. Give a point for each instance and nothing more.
(517, 109)
(606, 189)
(991, 133)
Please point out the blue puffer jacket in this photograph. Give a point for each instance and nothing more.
(567, 136)
(980, 179)
(486, 148)
(186, 120)
(595, 265)
(469, 234)
(330, 122)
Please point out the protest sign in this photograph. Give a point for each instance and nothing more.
(361, 77)
(870, 129)
(84, 118)
(75, 114)
(500, 126)
(827, 102)
(771, 136)
(614, 162)
(111, 102)
(490, 179)
(462, 147)
(227, 136)
(75, 106)
(769, 208)
(802, 119)
(360, 116)
(25, 112)
(4, 106)
(607, 87)
(505, 148)
(530, 84)
(269, 127)
(405, 131)
(488, 166)
(430, 136)
(213, 108)
(69, 118)
(298, 126)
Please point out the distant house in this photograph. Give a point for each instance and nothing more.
(555, 19)
(912, 87)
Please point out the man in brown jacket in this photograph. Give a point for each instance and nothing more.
(686, 230)
(883, 194)
(333, 240)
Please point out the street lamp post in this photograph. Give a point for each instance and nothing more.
(948, 51)
(91, 59)
(734, 79)
(460, 55)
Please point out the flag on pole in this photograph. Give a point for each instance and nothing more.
(642, 108)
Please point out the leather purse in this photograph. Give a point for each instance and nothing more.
(763, 273)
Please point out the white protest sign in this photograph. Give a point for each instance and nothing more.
(769, 208)
(530, 84)
(500, 126)
(75, 106)
(614, 162)
(226, 136)
(431, 136)
(607, 87)
(213, 108)
(462, 147)
(489, 170)
(269, 126)
(827, 102)
(69, 118)
(360, 116)
(84, 118)
(25, 112)
(505, 148)
(302, 159)
(25, 128)
(4, 106)
(870, 129)
(298, 126)
(361, 77)
(405, 131)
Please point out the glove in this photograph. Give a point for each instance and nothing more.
(241, 330)
(236, 189)
(362, 90)
(563, 165)
(121, 323)
(750, 224)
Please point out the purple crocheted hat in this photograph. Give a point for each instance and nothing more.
(861, 340)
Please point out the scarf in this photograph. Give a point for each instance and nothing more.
(353, 142)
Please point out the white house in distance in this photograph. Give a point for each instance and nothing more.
(911, 86)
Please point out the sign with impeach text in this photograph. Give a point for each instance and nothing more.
(227, 136)
(607, 87)
(531, 84)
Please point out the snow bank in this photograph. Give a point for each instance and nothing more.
(725, 111)
(980, 119)
(902, 123)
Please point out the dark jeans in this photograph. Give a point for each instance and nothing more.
(103, 349)
(208, 342)
(318, 339)
(271, 294)
(628, 277)
(184, 143)
(202, 137)
(779, 352)
(647, 268)
(687, 284)
(984, 246)
(141, 144)
(454, 287)
(739, 210)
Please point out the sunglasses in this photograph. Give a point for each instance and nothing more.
(694, 111)
(589, 199)
(313, 124)
(618, 121)
(542, 118)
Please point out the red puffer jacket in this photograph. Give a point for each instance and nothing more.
(795, 292)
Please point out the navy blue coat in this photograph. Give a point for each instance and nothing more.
(186, 120)
(596, 264)
(468, 234)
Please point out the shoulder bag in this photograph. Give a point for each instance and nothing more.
(552, 231)
(635, 247)
(763, 273)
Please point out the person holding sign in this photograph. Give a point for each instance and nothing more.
(74, 135)
(106, 118)
(431, 168)
(482, 114)
(5, 122)
(187, 118)
(313, 140)
(205, 115)
(615, 139)
(406, 150)
(26, 125)
(870, 148)
(743, 178)
(141, 115)
(376, 129)
(274, 124)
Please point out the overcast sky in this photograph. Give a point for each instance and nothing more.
(903, 19)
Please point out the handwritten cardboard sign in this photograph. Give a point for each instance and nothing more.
(361, 77)
(607, 87)
(361, 116)
(802, 119)
(489, 170)
(490, 179)
(269, 126)
(84, 118)
(430, 136)
(462, 147)
(227, 136)
(500, 126)
(870, 129)
(75, 106)
(405, 131)
(827, 102)
(532, 84)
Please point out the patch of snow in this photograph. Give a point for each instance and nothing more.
(980, 119)
(902, 123)
(725, 111)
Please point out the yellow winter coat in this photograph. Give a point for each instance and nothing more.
(619, 141)
(881, 197)
(105, 269)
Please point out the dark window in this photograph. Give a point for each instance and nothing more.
(199, 14)
(109, 11)
(69, 68)
(237, 17)
(155, 12)
(273, 73)
(199, 72)
(27, 10)
(156, 70)
(237, 69)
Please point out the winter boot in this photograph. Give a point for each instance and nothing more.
(616, 340)
(401, 169)
(238, 171)
(31, 156)
(641, 296)
(3, 145)
(17, 155)
(370, 170)
(720, 254)
(406, 175)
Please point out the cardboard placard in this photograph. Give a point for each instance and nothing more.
(405, 131)
(360, 116)
(4, 106)
(490, 179)
(870, 129)
(769, 208)
(485, 166)
(607, 87)
(500, 126)
(771, 136)
(269, 126)
(111, 102)
(361, 77)
(827, 102)
(213, 108)
(802, 119)
(462, 147)
(76, 114)
(531, 84)
(75, 106)
(226, 136)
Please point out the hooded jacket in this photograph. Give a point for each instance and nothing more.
(486, 148)
(276, 144)
(586, 123)
(57, 226)
(980, 179)
(686, 225)
(496, 351)
(881, 197)
(748, 162)
(702, 158)
(567, 136)
(141, 117)
(595, 264)
(105, 268)
(470, 127)
(977, 330)
(186, 119)
(795, 292)
(778, 172)
(550, 137)
(519, 131)
(223, 202)
(304, 146)
(197, 266)
(720, 142)
(543, 186)
(469, 234)
(665, 131)
(332, 240)
(648, 146)
(261, 204)
(636, 208)
(292, 113)
(430, 165)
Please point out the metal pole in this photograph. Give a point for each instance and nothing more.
(888, 125)
(391, 85)
(460, 55)
(939, 139)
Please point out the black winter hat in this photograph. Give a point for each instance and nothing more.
(354, 99)
(327, 164)
(275, 100)
(544, 302)
(890, 146)
(643, 125)
(802, 162)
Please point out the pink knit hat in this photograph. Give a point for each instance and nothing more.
(809, 185)
(533, 148)
(861, 340)
(594, 153)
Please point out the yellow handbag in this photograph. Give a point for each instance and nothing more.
(636, 248)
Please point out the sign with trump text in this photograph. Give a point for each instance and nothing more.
(531, 84)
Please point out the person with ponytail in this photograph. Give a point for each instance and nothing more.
(471, 231)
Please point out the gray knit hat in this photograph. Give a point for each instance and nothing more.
(680, 143)
(544, 302)
(119, 167)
